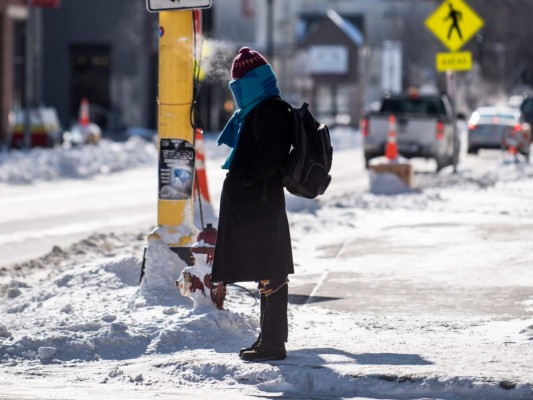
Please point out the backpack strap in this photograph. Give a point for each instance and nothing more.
(255, 117)
(255, 113)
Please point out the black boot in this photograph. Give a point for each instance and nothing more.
(252, 346)
(265, 351)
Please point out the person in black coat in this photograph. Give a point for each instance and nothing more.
(253, 240)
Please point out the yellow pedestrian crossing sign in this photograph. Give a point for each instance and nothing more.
(454, 23)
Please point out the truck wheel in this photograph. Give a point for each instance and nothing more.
(443, 162)
(367, 159)
(472, 151)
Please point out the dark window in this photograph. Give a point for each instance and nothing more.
(527, 106)
(527, 110)
(19, 62)
(413, 106)
(90, 67)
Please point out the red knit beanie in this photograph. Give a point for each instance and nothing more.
(245, 61)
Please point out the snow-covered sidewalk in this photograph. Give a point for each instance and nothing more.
(407, 296)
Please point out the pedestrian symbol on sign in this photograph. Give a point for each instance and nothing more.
(454, 23)
(455, 16)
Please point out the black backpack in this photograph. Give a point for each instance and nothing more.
(306, 173)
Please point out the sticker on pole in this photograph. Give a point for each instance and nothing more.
(176, 169)
(169, 5)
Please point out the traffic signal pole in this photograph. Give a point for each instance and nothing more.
(175, 209)
(451, 87)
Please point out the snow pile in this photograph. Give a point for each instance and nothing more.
(99, 245)
(72, 318)
(387, 184)
(162, 268)
(466, 178)
(18, 167)
(98, 311)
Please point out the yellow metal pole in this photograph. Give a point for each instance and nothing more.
(175, 216)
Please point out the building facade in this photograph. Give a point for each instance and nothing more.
(105, 51)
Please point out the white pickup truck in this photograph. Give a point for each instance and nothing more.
(424, 128)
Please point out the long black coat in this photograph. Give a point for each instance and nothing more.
(253, 240)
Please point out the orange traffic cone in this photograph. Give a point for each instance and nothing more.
(511, 144)
(200, 165)
(391, 151)
(84, 112)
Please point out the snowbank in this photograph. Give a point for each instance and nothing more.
(98, 311)
(18, 167)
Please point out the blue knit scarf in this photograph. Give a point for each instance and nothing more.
(248, 91)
